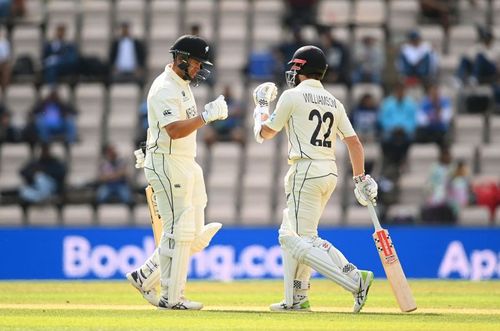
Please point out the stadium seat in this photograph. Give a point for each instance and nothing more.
(62, 12)
(20, 100)
(46, 214)
(114, 214)
(461, 39)
(26, 40)
(131, 11)
(403, 211)
(403, 15)
(489, 159)
(78, 215)
(369, 12)
(474, 216)
(10, 215)
(468, 129)
(96, 29)
(473, 13)
(334, 13)
(358, 90)
(497, 217)
(358, 216)
(412, 188)
(421, 158)
(494, 130)
(435, 35)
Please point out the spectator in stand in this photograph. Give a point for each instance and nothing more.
(300, 12)
(55, 120)
(127, 57)
(479, 66)
(417, 62)
(448, 189)
(434, 117)
(43, 178)
(5, 59)
(59, 58)
(337, 57)
(369, 61)
(460, 187)
(364, 118)
(232, 129)
(397, 121)
(113, 180)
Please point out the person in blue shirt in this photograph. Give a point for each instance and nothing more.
(398, 121)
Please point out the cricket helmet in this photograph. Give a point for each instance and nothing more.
(305, 61)
(189, 46)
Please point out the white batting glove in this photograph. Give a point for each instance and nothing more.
(264, 94)
(215, 110)
(139, 158)
(365, 190)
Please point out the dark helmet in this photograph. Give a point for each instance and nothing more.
(189, 46)
(305, 61)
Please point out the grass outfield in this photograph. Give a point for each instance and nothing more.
(243, 305)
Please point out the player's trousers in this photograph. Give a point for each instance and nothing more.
(178, 185)
(308, 187)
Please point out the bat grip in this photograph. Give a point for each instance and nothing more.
(374, 217)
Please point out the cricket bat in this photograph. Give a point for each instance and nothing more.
(392, 265)
(154, 214)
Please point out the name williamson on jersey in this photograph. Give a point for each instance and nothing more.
(319, 100)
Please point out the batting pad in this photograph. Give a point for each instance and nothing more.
(150, 271)
(320, 260)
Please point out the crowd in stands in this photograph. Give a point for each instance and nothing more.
(412, 108)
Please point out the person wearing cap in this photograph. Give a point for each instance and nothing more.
(171, 170)
(417, 61)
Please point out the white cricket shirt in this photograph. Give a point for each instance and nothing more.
(170, 99)
(313, 118)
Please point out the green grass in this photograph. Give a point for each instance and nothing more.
(442, 305)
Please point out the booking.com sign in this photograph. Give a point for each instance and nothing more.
(236, 253)
(218, 262)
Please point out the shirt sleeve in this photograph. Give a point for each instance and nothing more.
(165, 107)
(344, 127)
(282, 113)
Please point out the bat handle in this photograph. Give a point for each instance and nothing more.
(374, 217)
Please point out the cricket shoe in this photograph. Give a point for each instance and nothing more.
(365, 281)
(298, 305)
(135, 279)
(183, 304)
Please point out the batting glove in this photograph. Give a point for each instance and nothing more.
(139, 158)
(215, 110)
(264, 94)
(365, 190)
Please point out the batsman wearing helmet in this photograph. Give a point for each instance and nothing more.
(313, 119)
(177, 180)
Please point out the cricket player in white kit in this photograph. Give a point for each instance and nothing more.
(176, 178)
(313, 118)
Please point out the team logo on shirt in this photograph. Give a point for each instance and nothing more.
(191, 112)
(184, 96)
(167, 112)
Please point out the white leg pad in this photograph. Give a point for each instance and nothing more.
(289, 269)
(150, 271)
(202, 240)
(319, 259)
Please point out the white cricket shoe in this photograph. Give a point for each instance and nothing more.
(299, 305)
(135, 279)
(365, 281)
(183, 304)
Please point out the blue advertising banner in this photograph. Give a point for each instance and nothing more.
(239, 253)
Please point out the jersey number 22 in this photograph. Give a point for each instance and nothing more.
(326, 119)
